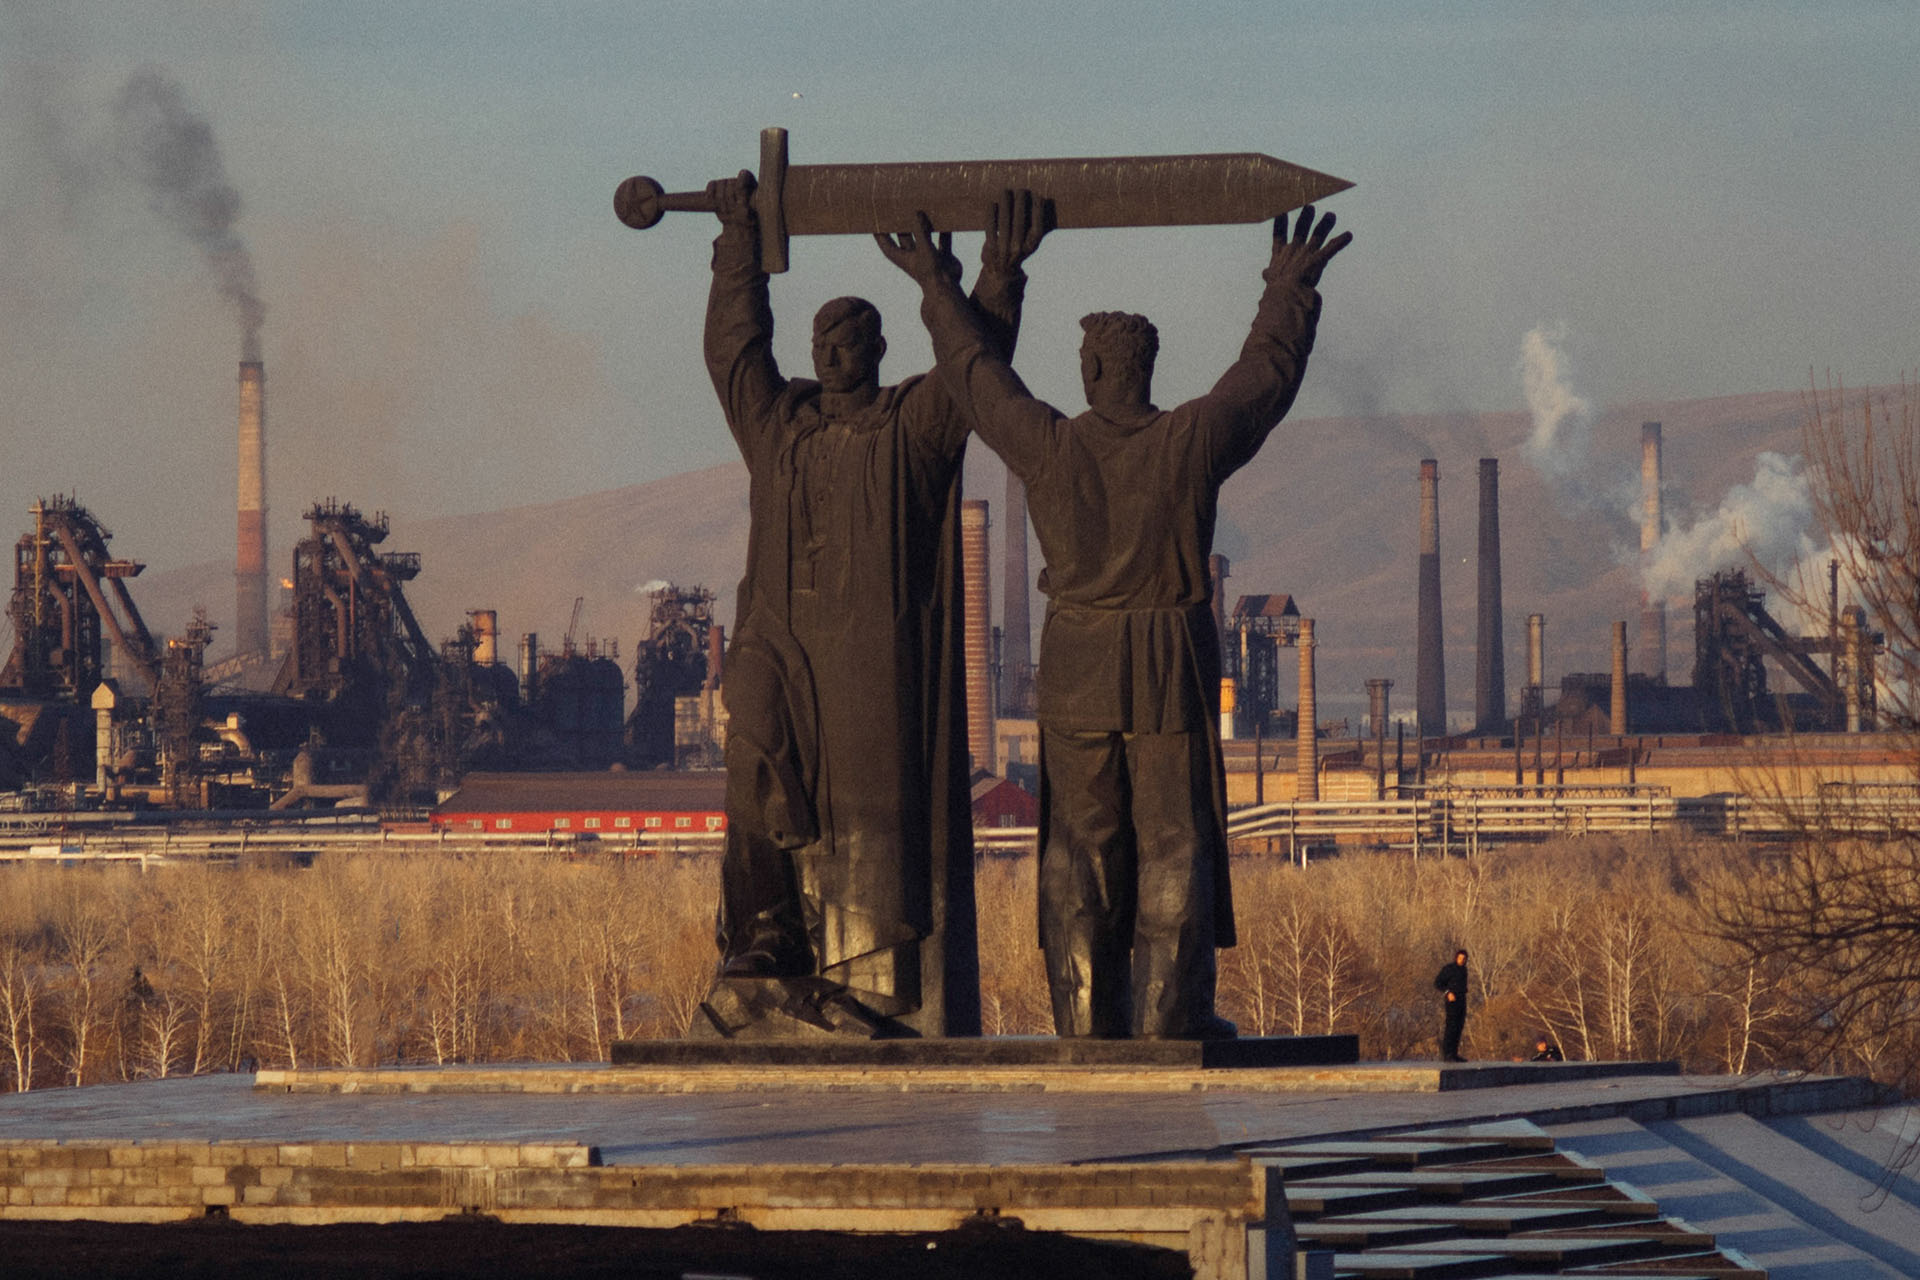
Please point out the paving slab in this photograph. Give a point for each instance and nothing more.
(772, 1124)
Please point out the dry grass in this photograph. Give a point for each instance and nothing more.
(111, 973)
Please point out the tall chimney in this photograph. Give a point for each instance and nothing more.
(1490, 658)
(1218, 570)
(975, 607)
(1536, 649)
(529, 665)
(716, 657)
(250, 562)
(1377, 688)
(1307, 757)
(1430, 674)
(1016, 652)
(1617, 711)
(1653, 612)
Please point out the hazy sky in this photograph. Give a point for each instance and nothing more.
(1701, 198)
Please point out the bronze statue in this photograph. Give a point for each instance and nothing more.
(1134, 893)
(847, 880)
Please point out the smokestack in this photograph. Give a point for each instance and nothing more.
(716, 656)
(529, 665)
(1217, 569)
(1016, 653)
(1307, 757)
(1377, 689)
(1377, 712)
(486, 636)
(1536, 650)
(250, 563)
(1653, 613)
(1617, 718)
(1490, 658)
(975, 606)
(1430, 674)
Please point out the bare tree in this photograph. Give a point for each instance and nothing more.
(1013, 975)
(84, 951)
(1838, 914)
(22, 987)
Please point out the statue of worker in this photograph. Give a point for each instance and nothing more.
(1134, 893)
(847, 878)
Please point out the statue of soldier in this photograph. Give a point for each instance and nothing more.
(1134, 893)
(848, 859)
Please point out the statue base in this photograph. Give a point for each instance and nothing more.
(987, 1054)
(789, 1009)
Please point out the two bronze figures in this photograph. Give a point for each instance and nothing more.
(847, 893)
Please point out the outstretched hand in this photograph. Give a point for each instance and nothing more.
(733, 199)
(1306, 255)
(1016, 225)
(922, 255)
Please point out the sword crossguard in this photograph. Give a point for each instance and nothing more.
(639, 202)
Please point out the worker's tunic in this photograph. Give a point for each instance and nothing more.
(847, 800)
(1134, 886)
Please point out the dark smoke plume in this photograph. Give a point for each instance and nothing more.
(170, 150)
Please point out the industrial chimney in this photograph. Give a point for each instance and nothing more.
(1617, 705)
(1533, 696)
(1306, 753)
(975, 608)
(1377, 688)
(1219, 570)
(716, 657)
(250, 563)
(1016, 653)
(1490, 659)
(1653, 612)
(1430, 673)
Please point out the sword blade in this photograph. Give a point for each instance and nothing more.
(1115, 191)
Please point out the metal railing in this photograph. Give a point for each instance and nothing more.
(1437, 821)
(150, 846)
(1468, 820)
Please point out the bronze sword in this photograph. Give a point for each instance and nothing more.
(1111, 191)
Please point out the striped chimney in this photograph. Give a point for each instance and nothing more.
(1016, 653)
(975, 607)
(250, 563)
(1617, 710)
(1307, 756)
(1653, 612)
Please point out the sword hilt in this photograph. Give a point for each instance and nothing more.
(640, 202)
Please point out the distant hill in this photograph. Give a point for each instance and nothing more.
(1328, 512)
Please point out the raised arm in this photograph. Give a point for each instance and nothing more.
(971, 366)
(1018, 224)
(739, 334)
(1234, 419)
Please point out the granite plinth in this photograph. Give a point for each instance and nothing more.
(995, 1051)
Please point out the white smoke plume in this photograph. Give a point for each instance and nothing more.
(1562, 420)
(170, 150)
(1767, 522)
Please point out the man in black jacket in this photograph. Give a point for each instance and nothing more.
(1452, 979)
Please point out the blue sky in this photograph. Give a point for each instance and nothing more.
(1705, 199)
